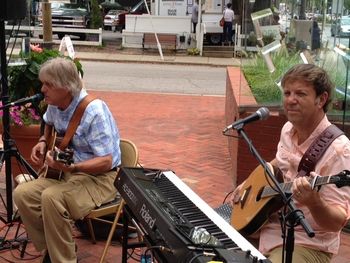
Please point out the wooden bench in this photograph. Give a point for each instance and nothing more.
(167, 41)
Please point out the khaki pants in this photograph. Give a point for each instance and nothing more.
(47, 208)
(301, 255)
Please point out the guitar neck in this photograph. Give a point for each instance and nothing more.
(270, 191)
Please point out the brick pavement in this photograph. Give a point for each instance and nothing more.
(182, 133)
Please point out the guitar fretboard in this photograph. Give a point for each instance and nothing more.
(286, 187)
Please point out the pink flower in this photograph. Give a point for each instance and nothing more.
(22, 115)
(33, 114)
(36, 48)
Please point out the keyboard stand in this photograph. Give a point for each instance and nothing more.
(126, 218)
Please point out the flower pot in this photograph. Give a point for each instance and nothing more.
(25, 137)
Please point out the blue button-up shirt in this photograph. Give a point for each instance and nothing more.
(97, 134)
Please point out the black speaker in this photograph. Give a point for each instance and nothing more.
(13, 9)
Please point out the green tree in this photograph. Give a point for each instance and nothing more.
(347, 4)
(96, 15)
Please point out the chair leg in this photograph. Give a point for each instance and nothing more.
(91, 230)
(111, 232)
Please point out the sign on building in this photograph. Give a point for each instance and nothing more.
(172, 7)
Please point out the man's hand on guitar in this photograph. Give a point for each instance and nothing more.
(334, 217)
(303, 192)
(38, 153)
(57, 165)
(235, 196)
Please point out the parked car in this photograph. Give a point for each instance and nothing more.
(111, 19)
(69, 15)
(138, 9)
(341, 27)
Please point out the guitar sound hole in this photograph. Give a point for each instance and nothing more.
(258, 196)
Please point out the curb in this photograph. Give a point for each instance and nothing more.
(167, 62)
(176, 60)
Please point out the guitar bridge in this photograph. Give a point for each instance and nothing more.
(244, 196)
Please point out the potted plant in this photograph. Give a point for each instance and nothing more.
(23, 81)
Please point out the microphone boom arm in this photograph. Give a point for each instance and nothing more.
(35, 98)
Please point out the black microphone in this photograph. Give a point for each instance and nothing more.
(261, 114)
(35, 98)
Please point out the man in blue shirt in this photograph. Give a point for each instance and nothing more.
(47, 206)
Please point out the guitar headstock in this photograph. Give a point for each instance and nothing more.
(341, 179)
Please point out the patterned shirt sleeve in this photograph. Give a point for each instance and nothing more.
(97, 134)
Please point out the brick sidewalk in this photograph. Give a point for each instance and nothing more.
(181, 133)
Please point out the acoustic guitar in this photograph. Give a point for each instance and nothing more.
(65, 157)
(258, 200)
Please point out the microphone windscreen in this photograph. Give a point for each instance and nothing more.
(264, 113)
(38, 97)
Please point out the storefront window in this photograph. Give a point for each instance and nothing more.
(277, 39)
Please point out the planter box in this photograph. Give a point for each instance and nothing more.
(239, 103)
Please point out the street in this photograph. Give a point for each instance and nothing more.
(331, 40)
(161, 78)
(156, 78)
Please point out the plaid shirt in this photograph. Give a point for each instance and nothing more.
(97, 134)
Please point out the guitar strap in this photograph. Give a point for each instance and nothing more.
(75, 121)
(316, 150)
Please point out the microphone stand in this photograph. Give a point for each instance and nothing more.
(296, 216)
(9, 149)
